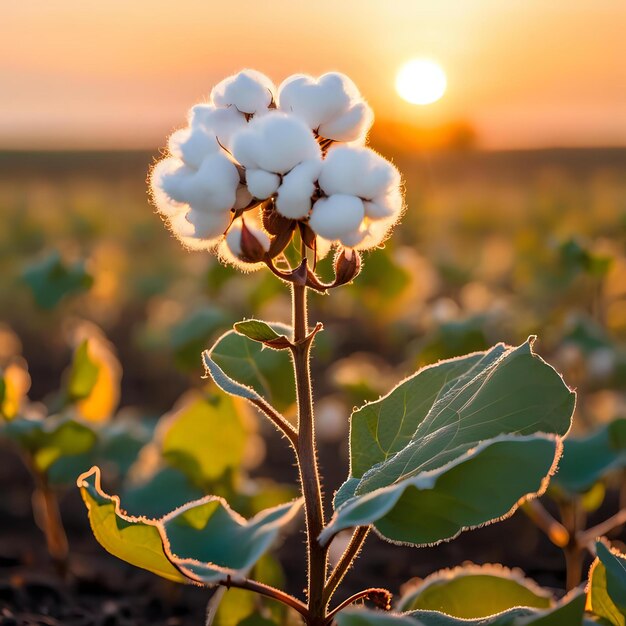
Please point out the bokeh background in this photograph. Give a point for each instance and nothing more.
(516, 220)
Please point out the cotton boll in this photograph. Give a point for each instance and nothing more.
(191, 145)
(375, 234)
(357, 171)
(214, 186)
(354, 238)
(261, 184)
(315, 101)
(353, 125)
(385, 206)
(233, 237)
(208, 225)
(276, 143)
(294, 194)
(248, 91)
(185, 232)
(336, 216)
(167, 179)
(220, 123)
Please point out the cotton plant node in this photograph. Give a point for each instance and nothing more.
(257, 164)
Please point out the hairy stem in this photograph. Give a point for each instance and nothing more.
(307, 458)
(345, 562)
(268, 591)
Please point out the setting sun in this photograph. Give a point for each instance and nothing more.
(421, 81)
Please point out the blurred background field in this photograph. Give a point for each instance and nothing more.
(494, 246)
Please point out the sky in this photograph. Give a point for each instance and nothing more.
(122, 73)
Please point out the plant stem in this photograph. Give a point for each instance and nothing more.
(591, 534)
(573, 518)
(307, 458)
(346, 560)
(556, 532)
(268, 591)
(46, 508)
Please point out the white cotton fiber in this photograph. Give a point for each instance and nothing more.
(185, 233)
(314, 101)
(208, 225)
(191, 145)
(276, 142)
(220, 123)
(357, 171)
(214, 186)
(261, 184)
(330, 105)
(336, 216)
(353, 125)
(294, 194)
(167, 179)
(233, 237)
(248, 91)
(387, 205)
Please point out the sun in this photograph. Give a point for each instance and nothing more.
(421, 81)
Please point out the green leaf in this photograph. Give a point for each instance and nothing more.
(262, 332)
(205, 438)
(474, 591)
(203, 541)
(118, 445)
(588, 459)
(190, 336)
(569, 612)
(51, 279)
(244, 368)
(83, 374)
(442, 452)
(607, 585)
(51, 439)
(93, 383)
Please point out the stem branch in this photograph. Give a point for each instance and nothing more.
(345, 562)
(586, 537)
(268, 591)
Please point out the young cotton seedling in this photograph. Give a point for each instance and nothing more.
(458, 445)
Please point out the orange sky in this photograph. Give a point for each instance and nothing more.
(122, 73)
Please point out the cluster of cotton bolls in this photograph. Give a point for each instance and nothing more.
(297, 151)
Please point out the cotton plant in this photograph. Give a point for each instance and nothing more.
(274, 178)
(257, 163)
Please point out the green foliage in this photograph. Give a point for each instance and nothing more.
(587, 460)
(245, 368)
(441, 453)
(261, 332)
(51, 279)
(569, 612)
(475, 591)
(48, 440)
(83, 374)
(205, 439)
(190, 336)
(607, 585)
(203, 541)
